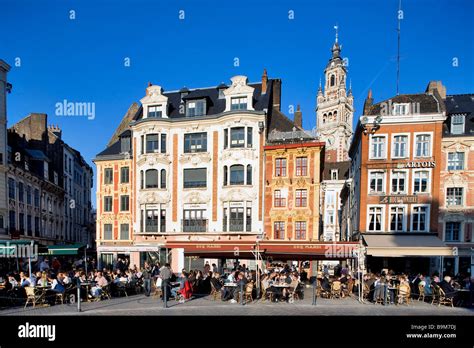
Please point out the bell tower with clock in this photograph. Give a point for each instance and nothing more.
(335, 108)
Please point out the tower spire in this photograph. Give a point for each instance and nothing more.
(336, 27)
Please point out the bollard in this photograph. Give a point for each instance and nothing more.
(165, 294)
(242, 293)
(78, 295)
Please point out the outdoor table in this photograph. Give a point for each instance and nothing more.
(280, 285)
(88, 286)
(42, 290)
(232, 285)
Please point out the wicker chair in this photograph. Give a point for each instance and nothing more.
(404, 294)
(33, 296)
(248, 292)
(435, 296)
(336, 289)
(214, 292)
(421, 292)
(348, 290)
(443, 300)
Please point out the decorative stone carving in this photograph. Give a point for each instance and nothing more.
(196, 197)
(195, 158)
(153, 158)
(154, 197)
(238, 154)
(238, 195)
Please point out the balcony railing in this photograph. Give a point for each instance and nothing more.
(194, 225)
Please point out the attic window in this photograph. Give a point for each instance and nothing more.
(196, 108)
(155, 111)
(457, 124)
(124, 144)
(400, 109)
(239, 103)
(334, 174)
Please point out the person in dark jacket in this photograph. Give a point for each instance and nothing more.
(448, 289)
(146, 276)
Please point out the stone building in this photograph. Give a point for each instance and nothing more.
(5, 87)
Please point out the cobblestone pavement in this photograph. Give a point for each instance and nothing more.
(141, 305)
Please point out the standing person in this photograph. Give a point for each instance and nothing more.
(44, 265)
(165, 275)
(146, 276)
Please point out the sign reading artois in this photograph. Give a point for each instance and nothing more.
(422, 164)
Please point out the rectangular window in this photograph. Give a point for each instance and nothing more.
(155, 111)
(454, 196)
(300, 230)
(248, 221)
(163, 143)
(400, 146)
(124, 175)
(375, 219)
(194, 220)
(195, 142)
(142, 144)
(278, 200)
(236, 222)
(12, 220)
(334, 174)
(224, 220)
(195, 177)
(301, 198)
(108, 204)
(378, 148)
(124, 232)
(37, 226)
(151, 220)
(196, 108)
(108, 231)
(151, 143)
(124, 203)
(237, 175)
(249, 136)
(29, 225)
(419, 219)
(301, 166)
(280, 167)
(239, 103)
(28, 194)
(108, 176)
(397, 216)
(377, 182)
(21, 192)
(21, 220)
(456, 161)
(279, 230)
(423, 145)
(37, 198)
(400, 109)
(11, 188)
(452, 231)
(226, 138)
(457, 124)
(421, 181)
(237, 137)
(163, 221)
(399, 182)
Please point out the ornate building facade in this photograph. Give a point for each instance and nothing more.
(4, 88)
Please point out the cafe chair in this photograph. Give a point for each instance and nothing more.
(214, 292)
(121, 289)
(248, 292)
(336, 289)
(59, 298)
(421, 293)
(33, 296)
(105, 294)
(403, 294)
(443, 300)
(348, 290)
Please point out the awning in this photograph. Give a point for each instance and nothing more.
(405, 245)
(304, 250)
(71, 249)
(229, 249)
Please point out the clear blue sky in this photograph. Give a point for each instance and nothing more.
(82, 60)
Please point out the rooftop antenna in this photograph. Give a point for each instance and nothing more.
(400, 17)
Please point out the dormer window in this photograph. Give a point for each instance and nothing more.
(457, 124)
(239, 103)
(196, 108)
(334, 174)
(124, 144)
(401, 109)
(155, 111)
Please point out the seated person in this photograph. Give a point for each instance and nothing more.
(448, 289)
(241, 283)
(182, 279)
(101, 282)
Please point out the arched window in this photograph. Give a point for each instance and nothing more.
(151, 178)
(249, 174)
(163, 179)
(333, 80)
(334, 116)
(142, 179)
(330, 117)
(225, 175)
(325, 116)
(237, 174)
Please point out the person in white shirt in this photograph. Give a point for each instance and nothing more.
(44, 265)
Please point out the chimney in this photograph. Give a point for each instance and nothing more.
(276, 90)
(438, 86)
(368, 102)
(298, 119)
(146, 90)
(264, 81)
(55, 130)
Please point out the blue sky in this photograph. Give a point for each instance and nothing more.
(82, 60)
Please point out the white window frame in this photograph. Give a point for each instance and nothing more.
(385, 136)
(463, 162)
(461, 232)
(384, 183)
(428, 187)
(406, 108)
(368, 217)
(463, 123)
(406, 180)
(157, 107)
(415, 135)
(407, 151)
(405, 216)
(427, 222)
(463, 197)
